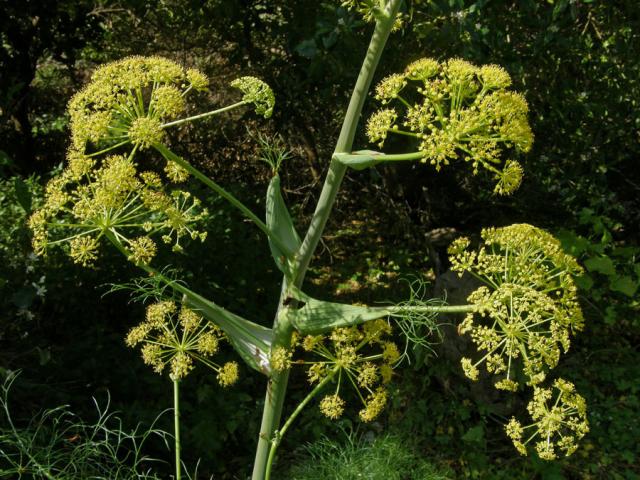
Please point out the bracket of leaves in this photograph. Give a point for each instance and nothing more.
(281, 226)
(313, 317)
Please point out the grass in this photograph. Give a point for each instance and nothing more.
(56, 444)
(359, 458)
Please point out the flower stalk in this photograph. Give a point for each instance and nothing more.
(203, 115)
(176, 426)
(275, 443)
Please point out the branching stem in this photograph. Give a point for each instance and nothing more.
(277, 387)
(169, 155)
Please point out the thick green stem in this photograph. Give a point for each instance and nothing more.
(274, 398)
(277, 386)
(276, 441)
(176, 426)
(345, 142)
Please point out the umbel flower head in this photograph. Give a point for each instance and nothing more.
(341, 354)
(528, 307)
(559, 422)
(174, 339)
(456, 111)
(129, 101)
(127, 105)
(89, 201)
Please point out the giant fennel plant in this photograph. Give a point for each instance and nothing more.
(521, 317)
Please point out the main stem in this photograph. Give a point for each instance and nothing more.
(277, 385)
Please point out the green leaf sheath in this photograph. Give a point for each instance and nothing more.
(312, 317)
(281, 227)
(363, 159)
(250, 340)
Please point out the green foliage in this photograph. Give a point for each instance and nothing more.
(356, 456)
(613, 268)
(38, 41)
(58, 444)
(22, 280)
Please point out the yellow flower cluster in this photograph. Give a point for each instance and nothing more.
(173, 338)
(390, 87)
(280, 359)
(128, 101)
(88, 201)
(341, 354)
(558, 423)
(461, 112)
(379, 125)
(523, 316)
(528, 308)
(127, 106)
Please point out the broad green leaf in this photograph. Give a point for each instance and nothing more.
(316, 316)
(22, 194)
(250, 340)
(572, 243)
(584, 281)
(602, 265)
(624, 285)
(474, 434)
(610, 315)
(281, 226)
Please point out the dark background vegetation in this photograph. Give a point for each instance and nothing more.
(577, 63)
